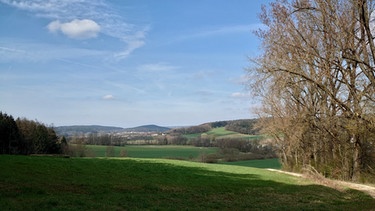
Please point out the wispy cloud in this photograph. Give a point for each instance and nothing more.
(160, 67)
(241, 95)
(225, 30)
(11, 53)
(94, 14)
(11, 50)
(217, 31)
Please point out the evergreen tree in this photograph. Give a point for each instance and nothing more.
(9, 136)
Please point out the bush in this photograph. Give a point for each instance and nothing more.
(110, 151)
(209, 158)
(123, 153)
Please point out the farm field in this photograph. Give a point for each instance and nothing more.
(54, 183)
(178, 152)
(221, 132)
(155, 151)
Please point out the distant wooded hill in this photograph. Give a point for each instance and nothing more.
(244, 126)
(147, 128)
(82, 129)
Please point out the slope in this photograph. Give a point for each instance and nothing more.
(52, 183)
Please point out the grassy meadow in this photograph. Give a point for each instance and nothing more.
(154, 151)
(272, 163)
(221, 132)
(55, 183)
(176, 152)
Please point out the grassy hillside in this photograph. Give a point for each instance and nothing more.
(50, 183)
(155, 151)
(221, 132)
(272, 163)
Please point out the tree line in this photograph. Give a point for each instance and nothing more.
(23, 136)
(316, 79)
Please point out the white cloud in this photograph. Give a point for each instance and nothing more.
(106, 17)
(108, 97)
(54, 26)
(76, 29)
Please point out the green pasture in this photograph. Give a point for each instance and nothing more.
(56, 183)
(264, 163)
(221, 132)
(154, 151)
(176, 152)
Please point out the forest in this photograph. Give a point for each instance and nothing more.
(23, 136)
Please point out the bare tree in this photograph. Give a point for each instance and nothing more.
(316, 78)
(110, 151)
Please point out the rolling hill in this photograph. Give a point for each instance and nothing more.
(147, 128)
(243, 126)
(83, 129)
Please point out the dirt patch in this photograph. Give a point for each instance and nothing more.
(339, 185)
(361, 187)
(286, 172)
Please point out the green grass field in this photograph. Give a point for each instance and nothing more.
(265, 163)
(221, 132)
(178, 152)
(54, 183)
(155, 151)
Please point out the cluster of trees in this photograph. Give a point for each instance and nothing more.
(23, 136)
(232, 149)
(109, 139)
(316, 77)
(245, 126)
(192, 130)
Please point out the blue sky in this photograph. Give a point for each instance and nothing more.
(127, 63)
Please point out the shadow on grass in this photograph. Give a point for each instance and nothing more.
(29, 183)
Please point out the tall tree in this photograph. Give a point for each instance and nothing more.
(38, 138)
(9, 137)
(316, 78)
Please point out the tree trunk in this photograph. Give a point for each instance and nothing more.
(356, 169)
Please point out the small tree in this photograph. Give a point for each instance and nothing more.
(123, 152)
(110, 151)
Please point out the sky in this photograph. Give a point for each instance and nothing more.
(127, 63)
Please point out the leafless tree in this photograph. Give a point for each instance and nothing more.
(316, 79)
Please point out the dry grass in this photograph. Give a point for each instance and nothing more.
(318, 178)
